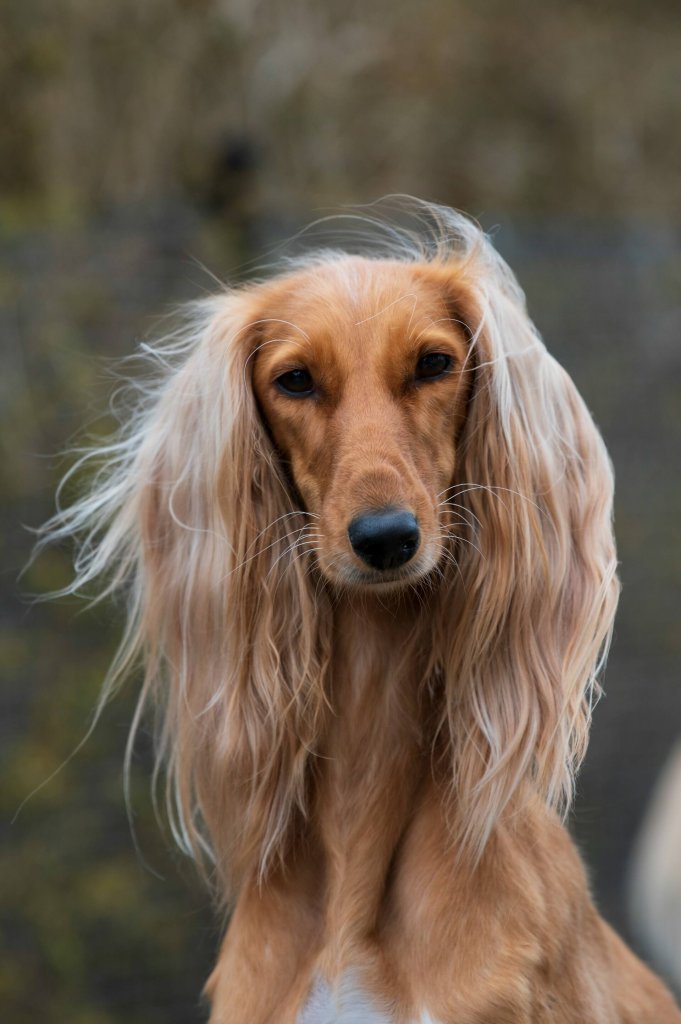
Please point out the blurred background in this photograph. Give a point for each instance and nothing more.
(146, 146)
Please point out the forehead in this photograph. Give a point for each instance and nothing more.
(353, 304)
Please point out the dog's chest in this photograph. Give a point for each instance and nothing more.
(347, 1003)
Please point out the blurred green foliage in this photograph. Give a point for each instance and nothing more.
(534, 105)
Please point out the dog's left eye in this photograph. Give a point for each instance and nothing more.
(432, 365)
(296, 382)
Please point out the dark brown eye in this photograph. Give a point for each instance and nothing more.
(432, 366)
(297, 383)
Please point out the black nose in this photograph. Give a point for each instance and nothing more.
(384, 539)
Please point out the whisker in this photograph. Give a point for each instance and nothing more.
(447, 534)
(260, 551)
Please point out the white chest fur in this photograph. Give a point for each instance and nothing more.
(347, 1003)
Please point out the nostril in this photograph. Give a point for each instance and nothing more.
(385, 539)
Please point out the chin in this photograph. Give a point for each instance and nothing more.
(350, 577)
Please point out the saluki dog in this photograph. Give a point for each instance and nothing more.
(363, 523)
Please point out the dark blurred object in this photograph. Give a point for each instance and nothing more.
(227, 194)
(228, 190)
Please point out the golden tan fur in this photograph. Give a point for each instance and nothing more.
(369, 762)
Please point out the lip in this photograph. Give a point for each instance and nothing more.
(378, 582)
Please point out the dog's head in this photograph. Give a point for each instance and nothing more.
(359, 424)
(361, 373)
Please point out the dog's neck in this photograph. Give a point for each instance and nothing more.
(377, 636)
(379, 659)
(374, 756)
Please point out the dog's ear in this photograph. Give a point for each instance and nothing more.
(192, 516)
(535, 587)
(241, 635)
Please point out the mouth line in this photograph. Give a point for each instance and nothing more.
(393, 577)
(384, 579)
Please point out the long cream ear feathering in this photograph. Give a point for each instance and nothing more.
(191, 516)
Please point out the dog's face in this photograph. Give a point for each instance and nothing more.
(360, 373)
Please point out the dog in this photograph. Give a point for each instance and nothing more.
(363, 523)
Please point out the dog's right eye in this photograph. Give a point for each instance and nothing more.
(297, 383)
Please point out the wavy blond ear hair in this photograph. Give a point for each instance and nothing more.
(535, 590)
(193, 517)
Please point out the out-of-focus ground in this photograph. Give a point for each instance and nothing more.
(143, 143)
